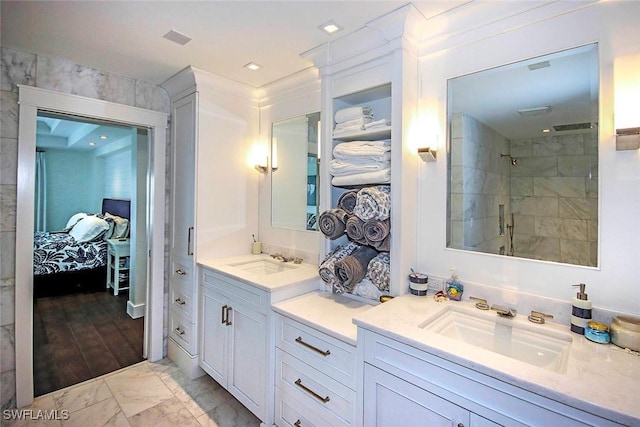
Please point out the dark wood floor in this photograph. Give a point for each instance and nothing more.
(81, 336)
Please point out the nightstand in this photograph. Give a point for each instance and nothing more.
(118, 263)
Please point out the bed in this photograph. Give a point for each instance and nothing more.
(75, 259)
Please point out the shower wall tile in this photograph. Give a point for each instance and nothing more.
(8, 114)
(536, 206)
(7, 348)
(563, 228)
(575, 252)
(535, 166)
(583, 166)
(522, 186)
(524, 224)
(7, 302)
(575, 207)
(8, 389)
(558, 146)
(537, 247)
(559, 186)
(16, 68)
(64, 76)
(592, 230)
(521, 148)
(8, 161)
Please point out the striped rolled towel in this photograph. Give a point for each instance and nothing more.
(378, 271)
(347, 201)
(353, 268)
(377, 234)
(355, 230)
(332, 223)
(327, 266)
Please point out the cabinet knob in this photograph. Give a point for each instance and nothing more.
(297, 424)
(179, 331)
(181, 272)
(460, 425)
(179, 301)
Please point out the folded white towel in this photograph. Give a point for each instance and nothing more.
(355, 122)
(377, 124)
(350, 113)
(346, 150)
(378, 177)
(342, 167)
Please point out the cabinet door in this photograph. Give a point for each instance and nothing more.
(214, 333)
(247, 341)
(183, 160)
(390, 401)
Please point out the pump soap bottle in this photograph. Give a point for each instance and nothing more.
(581, 310)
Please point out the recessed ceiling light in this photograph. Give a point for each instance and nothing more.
(177, 37)
(104, 137)
(253, 66)
(330, 27)
(546, 130)
(92, 143)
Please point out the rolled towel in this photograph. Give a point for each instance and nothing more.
(332, 222)
(366, 289)
(347, 201)
(377, 233)
(373, 203)
(382, 176)
(378, 271)
(327, 266)
(351, 269)
(351, 113)
(355, 230)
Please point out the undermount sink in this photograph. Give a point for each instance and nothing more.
(533, 344)
(263, 266)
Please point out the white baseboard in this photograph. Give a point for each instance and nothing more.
(135, 311)
(187, 363)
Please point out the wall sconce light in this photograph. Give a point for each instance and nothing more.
(626, 77)
(263, 167)
(274, 154)
(427, 154)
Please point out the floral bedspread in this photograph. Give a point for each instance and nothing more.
(58, 252)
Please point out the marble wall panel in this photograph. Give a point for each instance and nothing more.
(558, 146)
(8, 195)
(537, 247)
(7, 302)
(524, 224)
(7, 348)
(575, 252)
(521, 148)
(8, 161)
(8, 114)
(522, 186)
(8, 254)
(8, 389)
(575, 207)
(583, 166)
(16, 68)
(537, 206)
(563, 228)
(535, 166)
(559, 186)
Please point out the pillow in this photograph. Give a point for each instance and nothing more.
(121, 229)
(112, 225)
(88, 229)
(74, 220)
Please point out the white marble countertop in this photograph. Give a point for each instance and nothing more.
(330, 313)
(296, 274)
(600, 378)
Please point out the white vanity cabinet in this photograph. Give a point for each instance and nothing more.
(404, 386)
(234, 338)
(315, 377)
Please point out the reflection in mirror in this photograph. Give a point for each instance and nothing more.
(523, 159)
(294, 178)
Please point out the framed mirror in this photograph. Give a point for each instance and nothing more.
(523, 159)
(295, 172)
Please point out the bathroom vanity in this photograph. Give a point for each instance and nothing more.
(236, 339)
(450, 363)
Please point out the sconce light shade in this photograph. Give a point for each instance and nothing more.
(261, 168)
(427, 154)
(626, 77)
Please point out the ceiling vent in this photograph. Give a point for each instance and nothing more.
(538, 65)
(177, 37)
(572, 126)
(538, 111)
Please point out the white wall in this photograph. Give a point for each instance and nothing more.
(471, 46)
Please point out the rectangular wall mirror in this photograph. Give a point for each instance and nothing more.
(295, 173)
(523, 159)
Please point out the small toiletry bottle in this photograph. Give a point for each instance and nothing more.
(453, 287)
(581, 310)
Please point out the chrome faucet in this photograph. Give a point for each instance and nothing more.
(507, 312)
(538, 317)
(280, 257)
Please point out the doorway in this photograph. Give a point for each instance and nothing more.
(89, 283)
(32, 101)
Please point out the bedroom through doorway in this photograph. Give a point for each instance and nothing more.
(90, 249)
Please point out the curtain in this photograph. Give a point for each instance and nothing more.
(41, 193)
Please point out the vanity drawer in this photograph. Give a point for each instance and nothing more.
(181, 272)
(181, 300)
(182, 331)
(314, 388)
(327, 354)
(248, 295)
(293, 412)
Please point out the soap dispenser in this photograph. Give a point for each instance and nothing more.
(581, 310)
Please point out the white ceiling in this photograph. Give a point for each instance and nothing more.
(126, 37)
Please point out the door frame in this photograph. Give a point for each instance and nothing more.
(31, 100)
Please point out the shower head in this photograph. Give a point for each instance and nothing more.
(514, 161)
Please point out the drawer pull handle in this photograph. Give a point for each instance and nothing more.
(314, 348)
(228, 320)
(181, 272)
(311, 392)
(179, 301)
(222, 314)
(179, 331)
(297, 424)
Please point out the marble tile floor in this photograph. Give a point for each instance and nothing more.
(151, 394)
